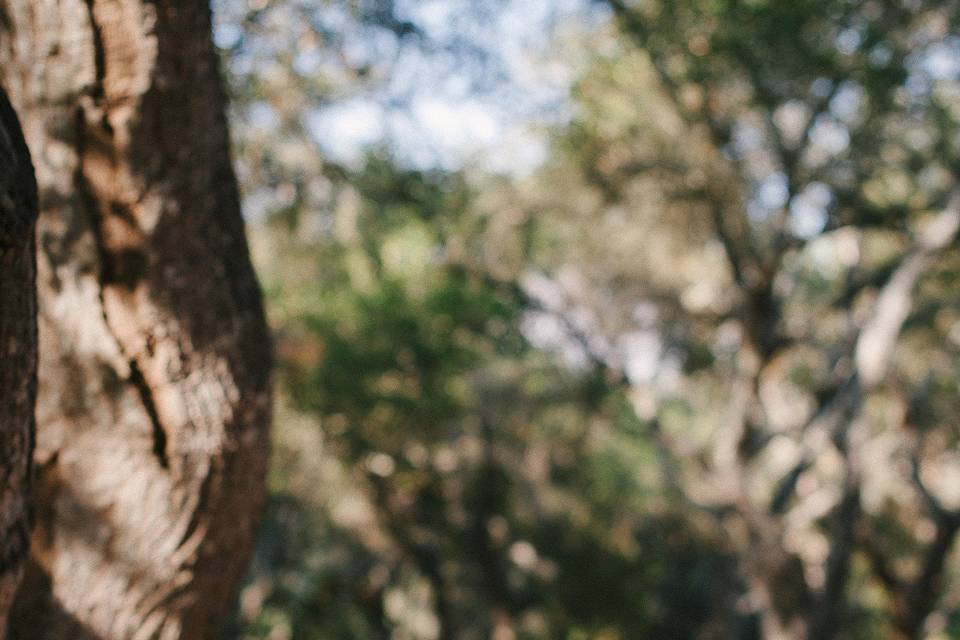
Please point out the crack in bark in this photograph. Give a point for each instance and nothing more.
(112, 269)
(136, 375)
(99, 53)
(146, 396)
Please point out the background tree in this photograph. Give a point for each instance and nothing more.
(154, 359)
(18, 334)
(803, 148)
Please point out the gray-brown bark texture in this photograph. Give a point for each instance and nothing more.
(153, 402)
(18, 349)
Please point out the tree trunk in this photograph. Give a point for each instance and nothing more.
(153, 403)
(18, 340)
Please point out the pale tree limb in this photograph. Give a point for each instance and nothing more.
(841, 422)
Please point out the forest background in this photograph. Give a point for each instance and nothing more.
(604, 319)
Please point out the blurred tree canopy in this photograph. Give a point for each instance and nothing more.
(694, 377)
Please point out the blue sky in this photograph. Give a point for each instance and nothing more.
(481, 90)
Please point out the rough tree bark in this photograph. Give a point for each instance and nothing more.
(18, 342)
(153, 402)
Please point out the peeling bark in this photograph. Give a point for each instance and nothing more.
(154, 402)
(18, 341)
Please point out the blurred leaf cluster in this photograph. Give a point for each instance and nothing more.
(469, 482)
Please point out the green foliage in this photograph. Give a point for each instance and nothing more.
(499, 486)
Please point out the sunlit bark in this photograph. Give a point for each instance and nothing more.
(153, 401)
